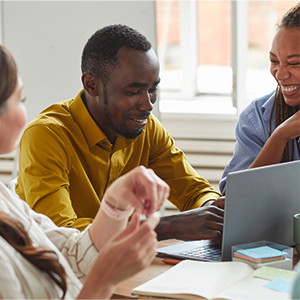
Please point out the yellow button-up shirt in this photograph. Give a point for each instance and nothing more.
(66, 163)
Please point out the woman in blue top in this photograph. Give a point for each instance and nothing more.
(268, 129)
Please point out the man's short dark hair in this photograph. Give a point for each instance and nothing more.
(99, 56)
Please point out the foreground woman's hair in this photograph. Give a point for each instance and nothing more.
(10, 229)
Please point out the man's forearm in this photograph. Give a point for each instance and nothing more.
(165, 229)
(169, 226)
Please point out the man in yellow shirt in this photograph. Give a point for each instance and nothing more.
(74, 150)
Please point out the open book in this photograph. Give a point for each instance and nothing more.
(209, 280)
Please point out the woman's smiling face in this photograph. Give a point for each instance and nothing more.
(285, 63)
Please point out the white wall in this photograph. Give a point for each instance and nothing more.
(47, 38)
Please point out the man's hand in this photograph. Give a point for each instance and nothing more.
(196, 224)
(218, 203)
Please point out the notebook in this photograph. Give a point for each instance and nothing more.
(218, 280)
(260, 204)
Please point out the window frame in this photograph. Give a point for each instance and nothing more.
(189, 63)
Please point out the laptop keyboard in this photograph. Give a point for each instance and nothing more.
(209, 252)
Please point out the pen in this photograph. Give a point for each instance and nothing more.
(171, 261)
(299, 140)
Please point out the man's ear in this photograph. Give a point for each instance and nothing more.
(91, 84)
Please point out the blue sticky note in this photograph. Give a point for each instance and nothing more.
(261, 252)
(280, 285)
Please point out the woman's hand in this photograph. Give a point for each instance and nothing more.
(130, 251)
(290, 128)
(140, 188)
(272, 151)
(123, 256)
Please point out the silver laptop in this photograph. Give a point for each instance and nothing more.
(260, 204)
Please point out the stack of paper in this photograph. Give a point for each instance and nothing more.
(260, 255)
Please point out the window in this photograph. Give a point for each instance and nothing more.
(214, 54)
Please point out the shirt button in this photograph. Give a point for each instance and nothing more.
(111, 182)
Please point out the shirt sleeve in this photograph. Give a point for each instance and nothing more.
(249, 141)
(10, 287)
(77, 247)
(43, 181)
(188, 189)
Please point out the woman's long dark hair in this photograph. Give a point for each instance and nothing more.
(283, 112)
(11, 230)
(8, 75)
(291, 19)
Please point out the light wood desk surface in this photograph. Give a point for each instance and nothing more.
(123, 290)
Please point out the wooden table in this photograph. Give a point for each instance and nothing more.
(123, 290)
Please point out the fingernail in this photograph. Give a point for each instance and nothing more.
(154, 219)
(147, 204)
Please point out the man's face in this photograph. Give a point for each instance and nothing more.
(129, 95)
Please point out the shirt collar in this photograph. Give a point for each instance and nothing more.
(82, 117)
(93, 134)
(267, 106)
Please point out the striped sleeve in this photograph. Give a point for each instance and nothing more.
(76, 246)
